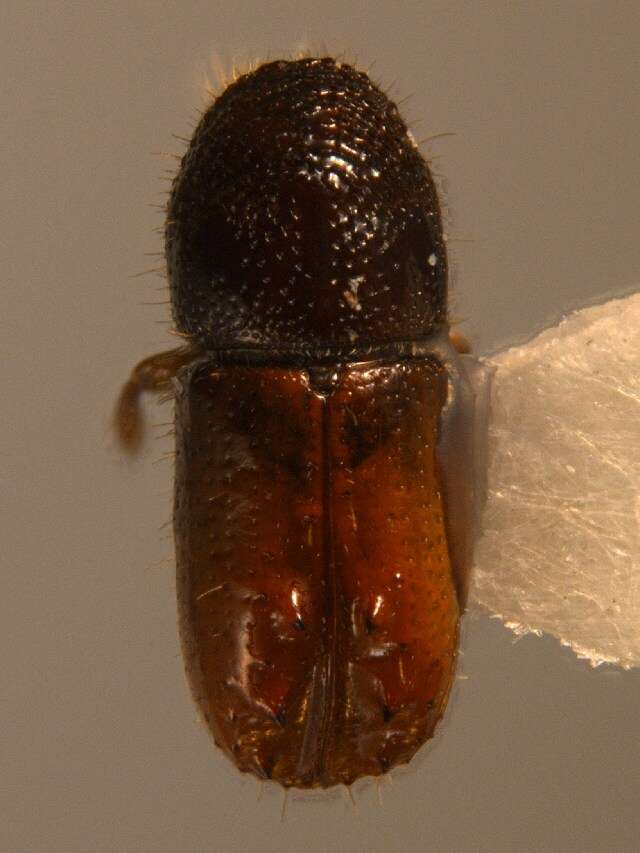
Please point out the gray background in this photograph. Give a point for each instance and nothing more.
(101, 750)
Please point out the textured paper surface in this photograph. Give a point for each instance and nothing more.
(560, 547)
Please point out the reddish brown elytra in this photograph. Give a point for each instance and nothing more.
(325, 479)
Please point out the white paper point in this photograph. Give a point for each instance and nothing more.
(560, 548)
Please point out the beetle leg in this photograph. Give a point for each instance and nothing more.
(459, 342)
(152, 374)
(461, 455)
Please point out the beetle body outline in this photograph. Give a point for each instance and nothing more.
(327, 465)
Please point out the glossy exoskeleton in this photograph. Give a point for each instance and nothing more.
(326, 469)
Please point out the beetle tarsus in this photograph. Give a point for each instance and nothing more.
(459, 342)
(151, 374)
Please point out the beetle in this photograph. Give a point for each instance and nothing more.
(328, 471)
